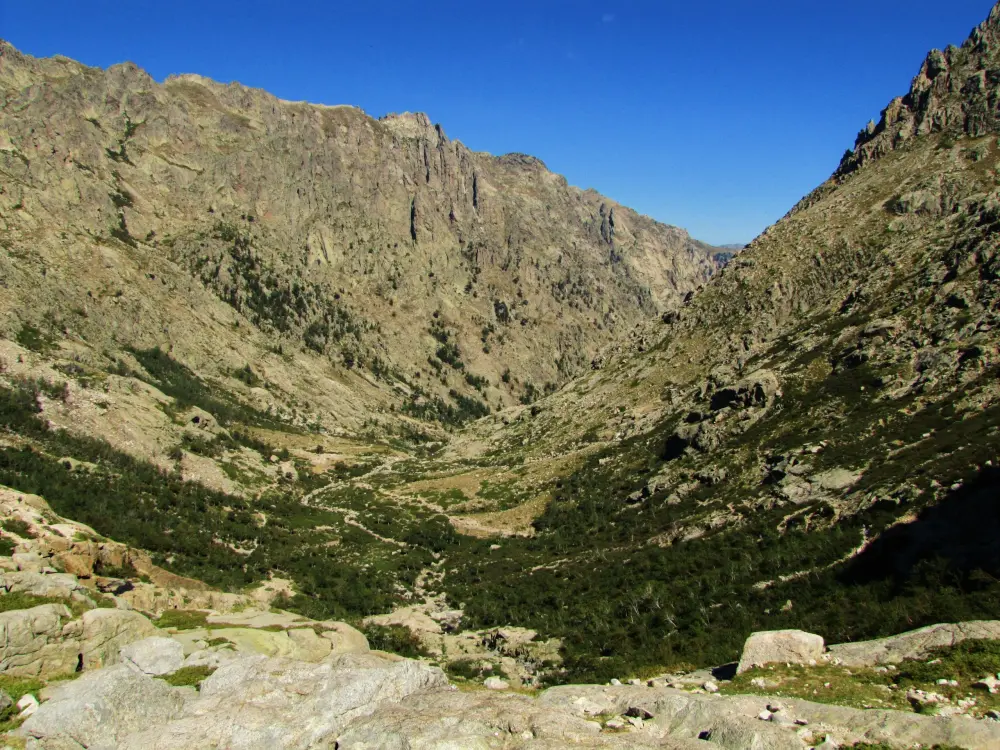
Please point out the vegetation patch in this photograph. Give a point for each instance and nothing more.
(188, 676)
(395, 639)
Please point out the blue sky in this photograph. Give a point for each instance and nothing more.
(715, 116)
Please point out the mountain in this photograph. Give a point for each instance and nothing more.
(233, 228)
(806, 438)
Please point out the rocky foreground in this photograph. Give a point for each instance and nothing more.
(356, 698)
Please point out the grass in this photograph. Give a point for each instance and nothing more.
(183, 619)
(188, 676)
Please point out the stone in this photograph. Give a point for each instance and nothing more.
(495, 683)
(5, 700)
(154, 656)
(343, 638)
(101, 708)
(783, 646)
(29, 562)
(710, 687)
(59, 585)
(27, 705)
(276, 703)
(106, 631)
(638, 712)
(33, 641)
(615, 723)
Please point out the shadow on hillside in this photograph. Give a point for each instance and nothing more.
(958, 537)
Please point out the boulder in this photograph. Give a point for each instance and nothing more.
(154, 656)
(60, 585)
(343, 638)
(33, 643)
(784, 646)
(106, 631)
(495, 683)
(100, 709)
(30, 562)
(257, 702)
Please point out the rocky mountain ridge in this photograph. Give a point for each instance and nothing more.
(453, 280)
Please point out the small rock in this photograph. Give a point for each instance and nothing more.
(990, 683)
(495, 683)
(5, 700)
(615, 681)
(615, 724)
(994, 715)
(27, 705)
(638, 713)
(635, 721)
(710, 687)
(950, 683)
(764, 715)
(635, 682)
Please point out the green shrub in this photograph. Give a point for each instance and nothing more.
(395, 639)
(34, 339)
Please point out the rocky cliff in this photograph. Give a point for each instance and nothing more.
(954, 94)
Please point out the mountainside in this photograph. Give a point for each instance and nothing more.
(809, 440)
(231, 227)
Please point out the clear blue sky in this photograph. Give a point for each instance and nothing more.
(716, 116)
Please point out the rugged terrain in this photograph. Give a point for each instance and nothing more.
(807, 442)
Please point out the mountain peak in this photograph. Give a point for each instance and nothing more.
(953, 92)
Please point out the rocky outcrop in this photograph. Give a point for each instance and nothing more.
(915, 644)
(46, 640)
(736, 723)
(369, 702)
(954, 93)
(278, 703)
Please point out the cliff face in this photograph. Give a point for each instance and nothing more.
(373, 243)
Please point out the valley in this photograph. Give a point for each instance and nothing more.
(330, 367)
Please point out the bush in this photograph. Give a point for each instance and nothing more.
(395, 639)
